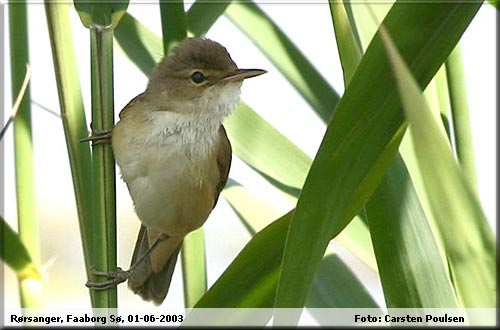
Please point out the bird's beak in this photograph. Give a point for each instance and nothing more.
(241, 74)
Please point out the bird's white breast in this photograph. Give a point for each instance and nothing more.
(195, 130)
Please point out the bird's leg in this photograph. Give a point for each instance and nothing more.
(161, 237)
(120, 275)
(98, 136)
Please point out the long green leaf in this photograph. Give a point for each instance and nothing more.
(436, 94)
(14, 253)
(362, 138)
(412, 272)
(350, 53)
(458, 213)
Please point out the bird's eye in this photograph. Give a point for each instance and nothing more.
(197, 77)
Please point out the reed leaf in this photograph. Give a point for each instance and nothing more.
(453, 202)
(460, 115)
(73, 117)
(23, 147)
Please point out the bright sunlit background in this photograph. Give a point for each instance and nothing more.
(269, 95)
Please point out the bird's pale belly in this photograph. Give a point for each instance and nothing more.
(171, 193)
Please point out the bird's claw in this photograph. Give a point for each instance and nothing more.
(114, 278)
(98, 136)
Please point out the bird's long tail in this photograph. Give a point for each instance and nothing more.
(151, 278)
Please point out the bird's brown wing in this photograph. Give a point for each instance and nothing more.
(223, 162)
(132, 104)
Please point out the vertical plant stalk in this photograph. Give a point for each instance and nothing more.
(73, 117)
(23, 147)
(101, 18)
(460, 116)
(104, 220)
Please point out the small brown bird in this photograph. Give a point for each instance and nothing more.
(174, 156)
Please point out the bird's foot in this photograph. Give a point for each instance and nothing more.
(98, 136)
(114, 278)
